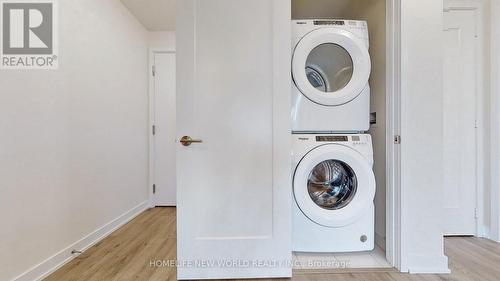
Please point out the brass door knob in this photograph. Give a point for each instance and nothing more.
(187, 141)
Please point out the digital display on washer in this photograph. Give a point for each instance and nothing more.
(329, 22)
(331, 138)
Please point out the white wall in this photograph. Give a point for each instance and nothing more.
(495, 120)
(73, 142)
(314, 9)
(162, 40)
(422, 142)
(485, 211)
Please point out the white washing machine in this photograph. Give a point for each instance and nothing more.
(334, 188)
(330, 68)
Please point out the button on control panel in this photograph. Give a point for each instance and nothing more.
(358, 140)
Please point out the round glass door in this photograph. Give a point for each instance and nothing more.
(332, 184)
(329, 68)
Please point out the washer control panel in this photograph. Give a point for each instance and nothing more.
(357, 139)
(304, 143)
(329, 22)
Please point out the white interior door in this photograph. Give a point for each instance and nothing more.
(234, 188)
(164, 151)
(460, 95)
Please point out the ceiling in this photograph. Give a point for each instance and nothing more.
(155, 15)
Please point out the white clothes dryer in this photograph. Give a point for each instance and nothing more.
(334, 189)
(331, 67)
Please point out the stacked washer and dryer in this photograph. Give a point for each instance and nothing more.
(334, 184)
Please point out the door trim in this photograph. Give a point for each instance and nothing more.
(494, 178)
(151, 120)
(393, 129)
(477, 6)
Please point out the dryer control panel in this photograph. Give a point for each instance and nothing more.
(302, 27)
(332, 138)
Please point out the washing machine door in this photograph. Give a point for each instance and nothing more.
(331, 66)
(334, 185)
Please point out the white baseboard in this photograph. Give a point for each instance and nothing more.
(55, 262)
(380, 241)
(419, 264)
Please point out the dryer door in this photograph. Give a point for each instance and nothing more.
(334, 185)
(331, 66)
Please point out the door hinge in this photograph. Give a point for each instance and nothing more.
(154, 130)
(153, 71)
(476, 214)
(397, 139)
(154, 188)
(476, 124)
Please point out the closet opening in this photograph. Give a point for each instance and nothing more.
(382, 19)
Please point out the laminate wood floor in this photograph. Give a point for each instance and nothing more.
(126, 255)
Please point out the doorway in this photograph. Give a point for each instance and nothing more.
(462, 111)
(163, 129)
(390, 212)
(384, 22)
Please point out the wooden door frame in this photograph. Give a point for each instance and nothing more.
(477, 6)
(151, 93)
